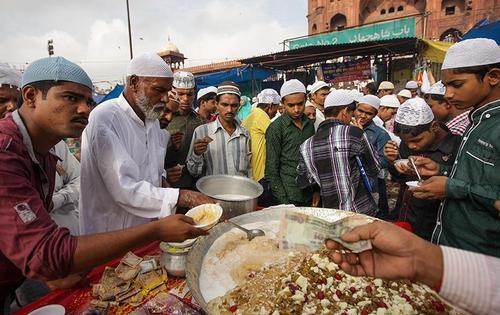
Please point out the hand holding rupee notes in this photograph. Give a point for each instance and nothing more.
(302, 230)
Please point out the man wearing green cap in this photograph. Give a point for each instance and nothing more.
(56, 94)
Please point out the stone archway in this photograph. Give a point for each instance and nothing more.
(338, 22)
(450, 35)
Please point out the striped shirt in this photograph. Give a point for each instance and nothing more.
(459, 124)
(470, 281)
(226, 154)
(329, 160)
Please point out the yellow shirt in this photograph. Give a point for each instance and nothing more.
(256, 123)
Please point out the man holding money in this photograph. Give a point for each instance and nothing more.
(123, 152)
(56, 97)
(222, 146)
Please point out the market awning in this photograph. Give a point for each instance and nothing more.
(291, 59)
(435, 50)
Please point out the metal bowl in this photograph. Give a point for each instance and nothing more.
(237, 195)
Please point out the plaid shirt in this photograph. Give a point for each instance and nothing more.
(328, 159)
(459, 124)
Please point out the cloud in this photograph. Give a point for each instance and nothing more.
(94, 33)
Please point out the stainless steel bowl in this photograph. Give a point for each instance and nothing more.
(237, 195)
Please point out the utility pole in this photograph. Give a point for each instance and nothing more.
(129, 32)
(50, 47)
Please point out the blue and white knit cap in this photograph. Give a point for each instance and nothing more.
(55, 69)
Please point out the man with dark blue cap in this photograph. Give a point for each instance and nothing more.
(56, 94)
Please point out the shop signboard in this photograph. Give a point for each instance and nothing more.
(400, 28)
(358, 69)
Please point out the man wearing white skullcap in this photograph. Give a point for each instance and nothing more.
(468, 218)
(389, 105)
(421, 135)
(341, 170)
(56, 97)
(257, 123)
(319, 91)
(366, 111)
(283, 139)
(123, 152)
(385, 88)
(403, 95)
(10, 89)
(182, 127)
(412, 86)
(457, 120)
(206, 103)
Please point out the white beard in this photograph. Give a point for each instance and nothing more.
(151, 112)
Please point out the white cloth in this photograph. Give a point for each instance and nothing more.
(149, 65)
(317, 86)
(470, 53)
(320, 117)
(122, 167)
(9, 76)
(389, 101)
(205, 91)
(437, 88)
(371, 100)
(268, 96)
(411, 85)
(470, 281)
(405, 93)
(291, 87)
(183, 80)
(66, 190)
(339, 98)
(414, 112)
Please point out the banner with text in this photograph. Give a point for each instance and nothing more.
(401, 28)
(348, 71)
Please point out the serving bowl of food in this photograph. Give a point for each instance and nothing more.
(237, 195)
(205, 216)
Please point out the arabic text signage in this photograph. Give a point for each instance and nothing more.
(402, 28)
(349, 71)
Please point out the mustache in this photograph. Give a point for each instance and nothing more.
(81, 119)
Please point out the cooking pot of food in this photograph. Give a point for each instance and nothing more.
(237, 195)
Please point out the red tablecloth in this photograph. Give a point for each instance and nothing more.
(77, 300)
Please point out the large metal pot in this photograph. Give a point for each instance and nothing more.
(237, 195)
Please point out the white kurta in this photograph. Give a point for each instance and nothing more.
(66, 190)
(122, 163)
(320, 117)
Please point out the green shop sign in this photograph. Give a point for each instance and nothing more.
(402, 28)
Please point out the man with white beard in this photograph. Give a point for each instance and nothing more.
(123, 152)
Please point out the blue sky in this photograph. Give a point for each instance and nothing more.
(94, 32)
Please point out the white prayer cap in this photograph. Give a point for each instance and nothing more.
(386, 85)
(9, 76)
(371, 100)
(405, 93)
(339, 98)
(356, 94)
(472, 52)
(291, 87)
(318, 85)
(205, 91)
(437, 88)
(268, 96)
(414, 112)
(389, 101)
(411, 85)
(149, 65)
(183, 80)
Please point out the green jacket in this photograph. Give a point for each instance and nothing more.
(467, 219)
(283, 140)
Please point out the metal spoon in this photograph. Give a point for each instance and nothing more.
(416, 171)
(251, 234)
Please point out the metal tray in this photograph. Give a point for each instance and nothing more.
(197, 253)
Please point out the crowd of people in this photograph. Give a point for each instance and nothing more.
(142, 153)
